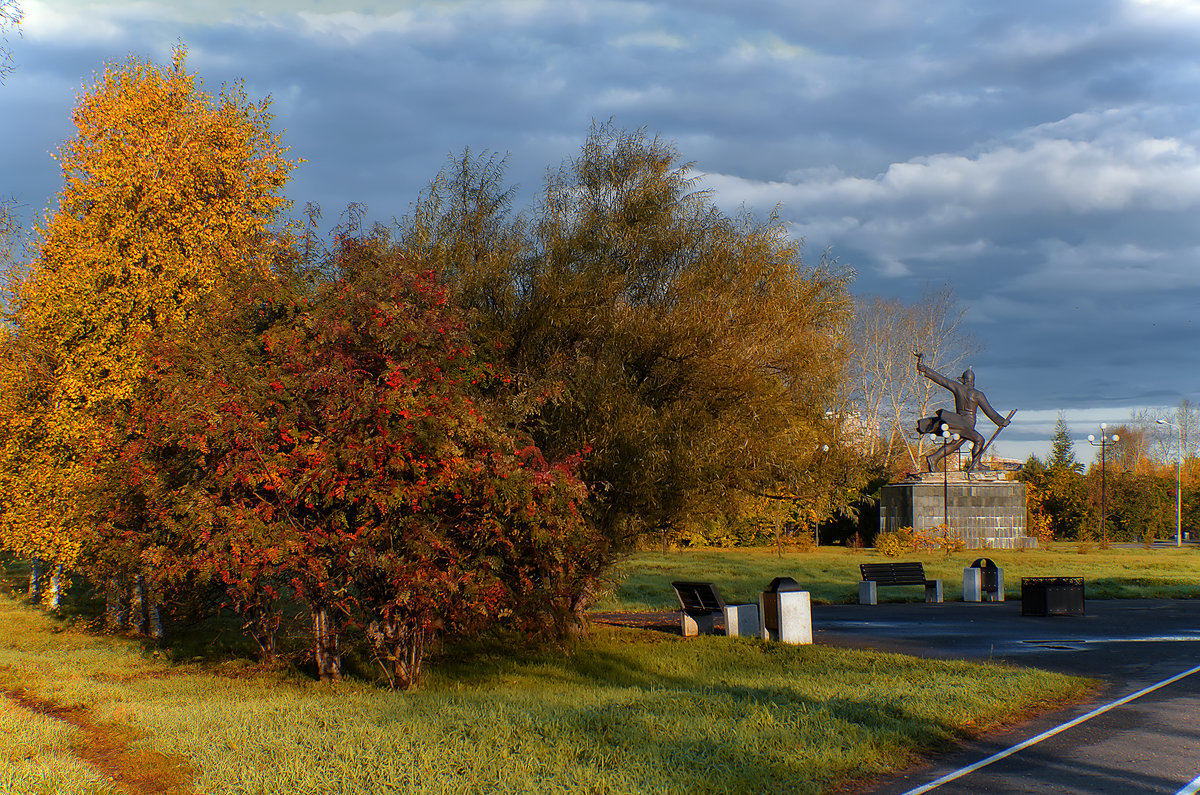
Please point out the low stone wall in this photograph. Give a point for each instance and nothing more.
(990, 514)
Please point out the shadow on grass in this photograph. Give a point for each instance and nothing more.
(716, 718)
(629, 710)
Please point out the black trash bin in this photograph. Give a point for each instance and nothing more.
(770, 603)
(1051, 596)
(989, 576)
(989, 579)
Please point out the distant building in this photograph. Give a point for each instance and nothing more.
(998, 464)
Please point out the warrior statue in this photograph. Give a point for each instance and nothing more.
(962, 420)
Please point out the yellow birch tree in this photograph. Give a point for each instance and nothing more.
(167, 192)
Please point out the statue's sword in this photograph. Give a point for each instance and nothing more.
(995, 433)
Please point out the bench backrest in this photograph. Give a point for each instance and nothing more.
(698, 598)
(893, 573)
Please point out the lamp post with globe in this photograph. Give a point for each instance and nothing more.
(947, 438)
(1178, 483)
(1105, 439)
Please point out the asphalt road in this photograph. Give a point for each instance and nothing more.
(1151, 744)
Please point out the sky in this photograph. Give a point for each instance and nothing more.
(1043, 159)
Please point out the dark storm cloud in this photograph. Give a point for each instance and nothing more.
(1043, 158)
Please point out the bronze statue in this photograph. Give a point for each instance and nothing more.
(962, 420)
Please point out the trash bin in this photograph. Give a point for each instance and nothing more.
(983, 581)
(1051, 596)
(785, 612)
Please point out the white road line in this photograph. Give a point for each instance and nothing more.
(1192, 787)
(957, 774)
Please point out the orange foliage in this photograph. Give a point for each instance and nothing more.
(167, 192)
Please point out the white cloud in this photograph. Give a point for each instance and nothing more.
(1165, 10)
(76, 22)
(619, 99)
(942, 99)
(352, 27)
(658, 39)
(1046, 175)
(1124, 268)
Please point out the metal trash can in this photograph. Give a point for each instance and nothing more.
(1052, 596)
(983, 581)
(785, 612)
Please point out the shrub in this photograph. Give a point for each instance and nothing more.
(942, 538)
(894, 543)
(725, 533)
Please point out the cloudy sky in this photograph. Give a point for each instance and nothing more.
(1042, 158)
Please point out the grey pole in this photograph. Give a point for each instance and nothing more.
(1105, 437)
(1178, 483)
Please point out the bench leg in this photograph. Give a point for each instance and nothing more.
(687, 626)
(741, 621)
(933, 591)
(867, 594)
(692, 626)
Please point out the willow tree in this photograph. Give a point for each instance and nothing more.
(690, 352)
(167, 191)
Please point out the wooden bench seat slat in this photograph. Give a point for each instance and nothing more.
(698, 597)
(701, 604)
(909, 573)
(894, 573)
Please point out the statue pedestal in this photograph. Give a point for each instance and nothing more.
(986, 509)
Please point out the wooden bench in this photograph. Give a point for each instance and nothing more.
(876, 574)
(700, 603)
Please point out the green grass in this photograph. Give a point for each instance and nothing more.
(831, 575)
(626, 711)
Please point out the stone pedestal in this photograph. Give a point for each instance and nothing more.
(985, 509)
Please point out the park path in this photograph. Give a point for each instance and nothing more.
(1146, 652)
(1148, 744)
(111, 750)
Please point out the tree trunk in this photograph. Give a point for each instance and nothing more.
(410, 653)
(154, 624)
(263, 625)
(137, 605)
(400, 650)
(36, 580)
(329, 655)
(115, 615)
(57, 586)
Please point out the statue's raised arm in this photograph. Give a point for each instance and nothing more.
(933, 375)
(961, 421)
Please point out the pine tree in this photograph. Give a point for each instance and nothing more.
(1062, 453)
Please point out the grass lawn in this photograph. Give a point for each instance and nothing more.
(831, 574)
(627, 711)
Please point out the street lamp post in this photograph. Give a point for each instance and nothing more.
(1178, 484)
(1105, 438)
(824, 450)
(947, 437)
